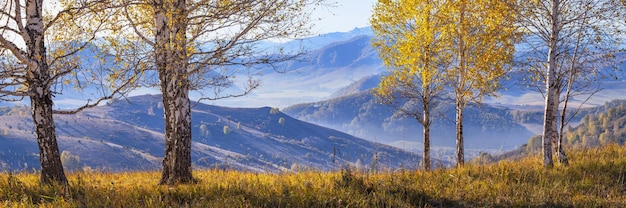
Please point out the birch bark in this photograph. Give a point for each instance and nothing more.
(426, 123)
(171, 63)
(38, 76)
(551, 102)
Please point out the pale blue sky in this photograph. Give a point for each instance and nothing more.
(346, 16)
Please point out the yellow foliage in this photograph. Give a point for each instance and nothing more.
(408, 38)
(481, 36)
(424, 41)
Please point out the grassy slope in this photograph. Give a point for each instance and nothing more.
(596, 177)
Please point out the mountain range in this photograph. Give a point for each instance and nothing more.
(322, 71)
(325, 93)
(128, 135)
(356, 111)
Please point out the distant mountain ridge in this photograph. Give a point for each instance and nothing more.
(125, 135)
(353, 109)
(321, 73)
(365, 84)
(318, 41)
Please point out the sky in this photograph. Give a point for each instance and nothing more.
(347, 15)
(344, 16)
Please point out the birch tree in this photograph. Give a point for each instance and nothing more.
(481, 36)
(199, 45)
(573, 44)
(408, 39)
(40, 55)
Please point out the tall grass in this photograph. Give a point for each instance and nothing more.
(595, 177)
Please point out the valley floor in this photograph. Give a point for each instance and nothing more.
(595, 178)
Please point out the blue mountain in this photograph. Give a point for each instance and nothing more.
(127, 134)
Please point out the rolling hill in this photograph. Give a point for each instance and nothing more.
(128, 135)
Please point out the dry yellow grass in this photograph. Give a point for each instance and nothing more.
(595, 177)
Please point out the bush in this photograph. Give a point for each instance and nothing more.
(534, 144)
(227, 130)
(70, 162)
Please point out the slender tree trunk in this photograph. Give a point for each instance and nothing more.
(560, 151)
(38, 77)
(460, 88)
(549, 118)
(549, 135)
(460, 155)
(561, 157)
(171, 62)
(426, 96)
(426, 123)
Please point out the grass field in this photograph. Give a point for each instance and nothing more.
(595, 178)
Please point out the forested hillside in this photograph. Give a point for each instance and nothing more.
(592, 127)
(599, 126)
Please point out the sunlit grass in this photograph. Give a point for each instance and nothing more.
(595, 177)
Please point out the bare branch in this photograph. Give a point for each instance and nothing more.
(119, 91)
(19, 53)
(18, 20)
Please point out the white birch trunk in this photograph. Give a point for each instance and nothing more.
(38, 76)
(460, 152)
(460, 91)
(557, 141)
(550, 114)
(171, 62)
(426, 123)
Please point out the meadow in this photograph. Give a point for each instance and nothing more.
(594, 178)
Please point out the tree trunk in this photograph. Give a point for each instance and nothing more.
(426, 123)
(49, 157)
(177, 158)
(550, 114)
(460, 155)
(38, 77)
(549, 122)
(460, 88)
(171, 62)
(560, 152)
(561, 157)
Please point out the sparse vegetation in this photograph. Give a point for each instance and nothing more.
(70, 161)
(595, 178)
(204, 130)
(227, 130)
(151, 111)
(534, 144)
